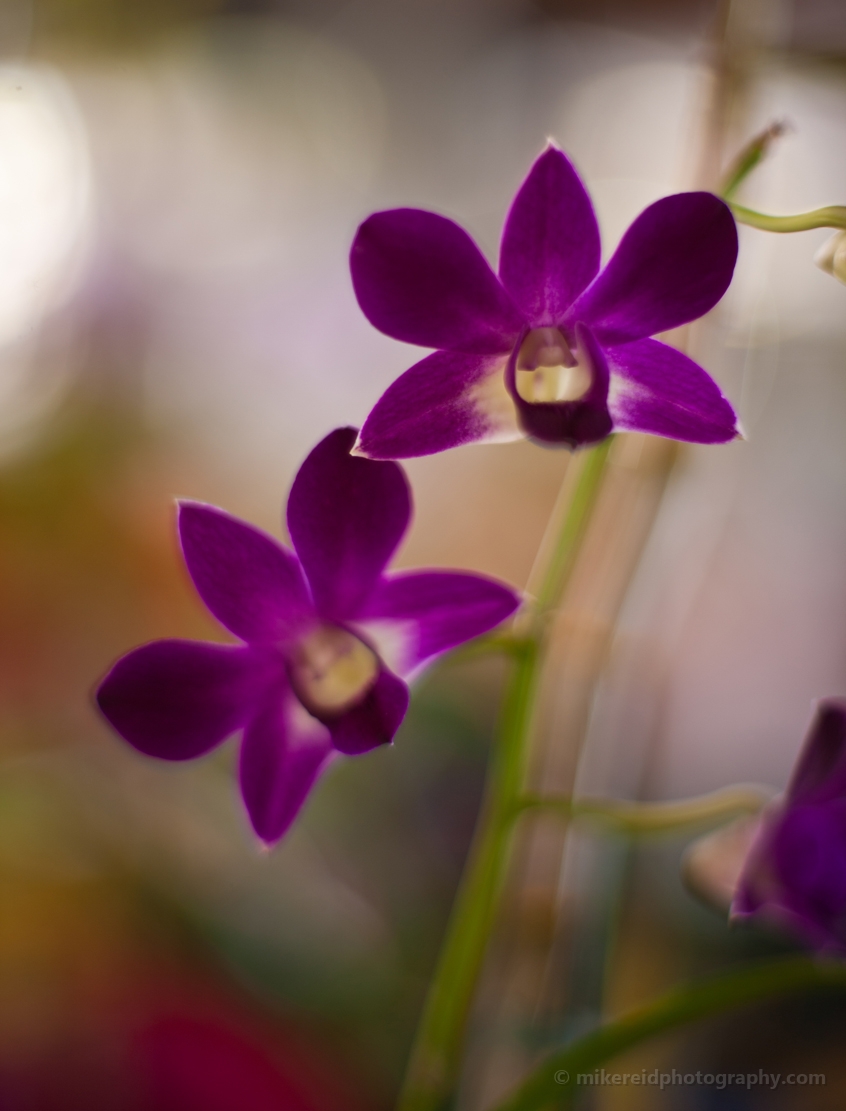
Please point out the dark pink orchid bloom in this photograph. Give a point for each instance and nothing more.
(326, 635)
(551, 349)
(795, 872)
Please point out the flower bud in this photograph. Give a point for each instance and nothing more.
(831, 257)
(713, 864)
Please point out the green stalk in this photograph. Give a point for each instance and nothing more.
(624, 816)
(436, 1056)
(555, 1084)
(752, 154)
(833, 216)
(563, 556)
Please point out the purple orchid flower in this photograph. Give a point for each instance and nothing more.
(795, 872)
(551, 349)
(325, 635)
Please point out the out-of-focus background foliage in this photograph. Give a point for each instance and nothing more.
(179, 184)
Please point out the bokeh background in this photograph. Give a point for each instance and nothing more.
(179, 184)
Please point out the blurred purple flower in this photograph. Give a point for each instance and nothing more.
(551, 349)
(324, 632)
(795, 872)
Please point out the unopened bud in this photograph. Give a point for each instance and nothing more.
(831, 257)
(712, 865)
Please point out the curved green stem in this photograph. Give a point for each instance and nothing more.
(833, 216)
(628, 817)
(556, 1083)
(436, 1055)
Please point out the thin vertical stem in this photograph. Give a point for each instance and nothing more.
(563, 556)
(436, 1056)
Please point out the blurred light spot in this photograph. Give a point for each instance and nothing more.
(44, 197)
(236, 147)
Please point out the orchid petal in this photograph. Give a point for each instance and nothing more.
(659, 390)
(756, 882)
(346, 516)
(420, 278)
(374, 720)
(283, 752)
(445, 400)
(251, 583)
(672, 265)
(437, 610)
(795, 872)
(795, 875)
(177, 699)
(574, 423)
(550, 242)
(809, 851)
(820, 772)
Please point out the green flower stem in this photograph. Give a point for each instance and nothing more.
(436, 1056)
(555, 1083)
(563, 556)
(752, 154)
(833, 216)
(654, 817)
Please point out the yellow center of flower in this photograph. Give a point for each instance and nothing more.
(548, 371)
(330, 669)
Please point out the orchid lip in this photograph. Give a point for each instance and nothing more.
(548, 371)
(331, 669)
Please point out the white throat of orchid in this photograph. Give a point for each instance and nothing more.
(330, 670)
(547, 369)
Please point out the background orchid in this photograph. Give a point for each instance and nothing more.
(551, 349)
(309, 681)
(795, 873)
